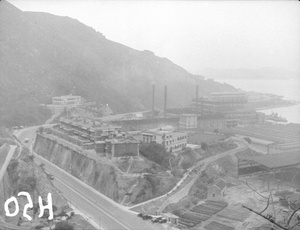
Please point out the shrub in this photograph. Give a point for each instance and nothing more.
(39, 226)
(248, 139)
(204, 146)
(63, 225)
(156, 152)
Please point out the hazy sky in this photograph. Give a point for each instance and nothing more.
(194, 34)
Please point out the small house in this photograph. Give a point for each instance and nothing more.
(216, 191)
(171, 219)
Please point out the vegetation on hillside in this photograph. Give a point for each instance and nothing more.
(63, 225)
(23, 113)
(47, 55)
(155, 152)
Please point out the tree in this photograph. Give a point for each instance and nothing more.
(248, 139)
(63, 225)
(204, 145)
(41, 129)
(156, 152)
(292, 220)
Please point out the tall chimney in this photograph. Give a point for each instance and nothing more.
(197, 100)
(153, 100)
(165, 104)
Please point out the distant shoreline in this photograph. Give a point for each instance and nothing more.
(276, 106)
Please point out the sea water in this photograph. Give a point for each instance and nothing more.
(289, 89)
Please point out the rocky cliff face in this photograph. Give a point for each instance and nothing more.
(103, 177)
(5, 192)
(23, 174)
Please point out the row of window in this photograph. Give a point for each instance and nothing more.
(179, 146)
(173, 140)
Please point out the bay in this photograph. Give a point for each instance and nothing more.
(288, 88)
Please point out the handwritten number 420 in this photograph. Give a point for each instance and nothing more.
(29, 205)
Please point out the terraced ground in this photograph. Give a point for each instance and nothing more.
(217, 226)
(200, 213)
(237, 215)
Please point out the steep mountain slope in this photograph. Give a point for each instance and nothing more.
(43, 55)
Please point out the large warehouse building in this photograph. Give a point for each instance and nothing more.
(265, 164)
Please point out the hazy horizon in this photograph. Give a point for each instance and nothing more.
(196, 35)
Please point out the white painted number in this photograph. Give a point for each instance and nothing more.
(48, 206)
(7, 212)
(29, 205)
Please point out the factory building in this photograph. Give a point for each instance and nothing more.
(229, 104)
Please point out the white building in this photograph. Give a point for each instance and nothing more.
(67, 100)
(168, 137)
(64, 102)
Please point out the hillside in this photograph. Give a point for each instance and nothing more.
(43, 55)
(103, 176)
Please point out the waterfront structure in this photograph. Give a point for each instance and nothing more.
(168, 137)
(221, 102)
(244, 116)
(231, 105)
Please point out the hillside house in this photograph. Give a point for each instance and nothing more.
(216, 191)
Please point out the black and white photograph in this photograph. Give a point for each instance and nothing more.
(149, 115)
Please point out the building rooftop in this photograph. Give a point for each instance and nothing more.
(170, 215)
(221, 184)
(90, 125)
(188, 114)
(227, 93)
(65, 97)
(272, 161)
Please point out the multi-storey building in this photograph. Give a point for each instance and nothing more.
(229, 104)
(212, 122)
(188, 121)
(64, 102)
(167, 136)
(221, 102)
(106, 140)
(67, 100)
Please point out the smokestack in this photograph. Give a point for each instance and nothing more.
(153, 100)
(197, 101)
(165, 104)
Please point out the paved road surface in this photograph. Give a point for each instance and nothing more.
(174, 198)
(205, 162)
(7, 160)
(99, 208)
(95, 205)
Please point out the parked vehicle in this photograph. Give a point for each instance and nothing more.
(147, 217)
(50, 176)
(164, 220)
